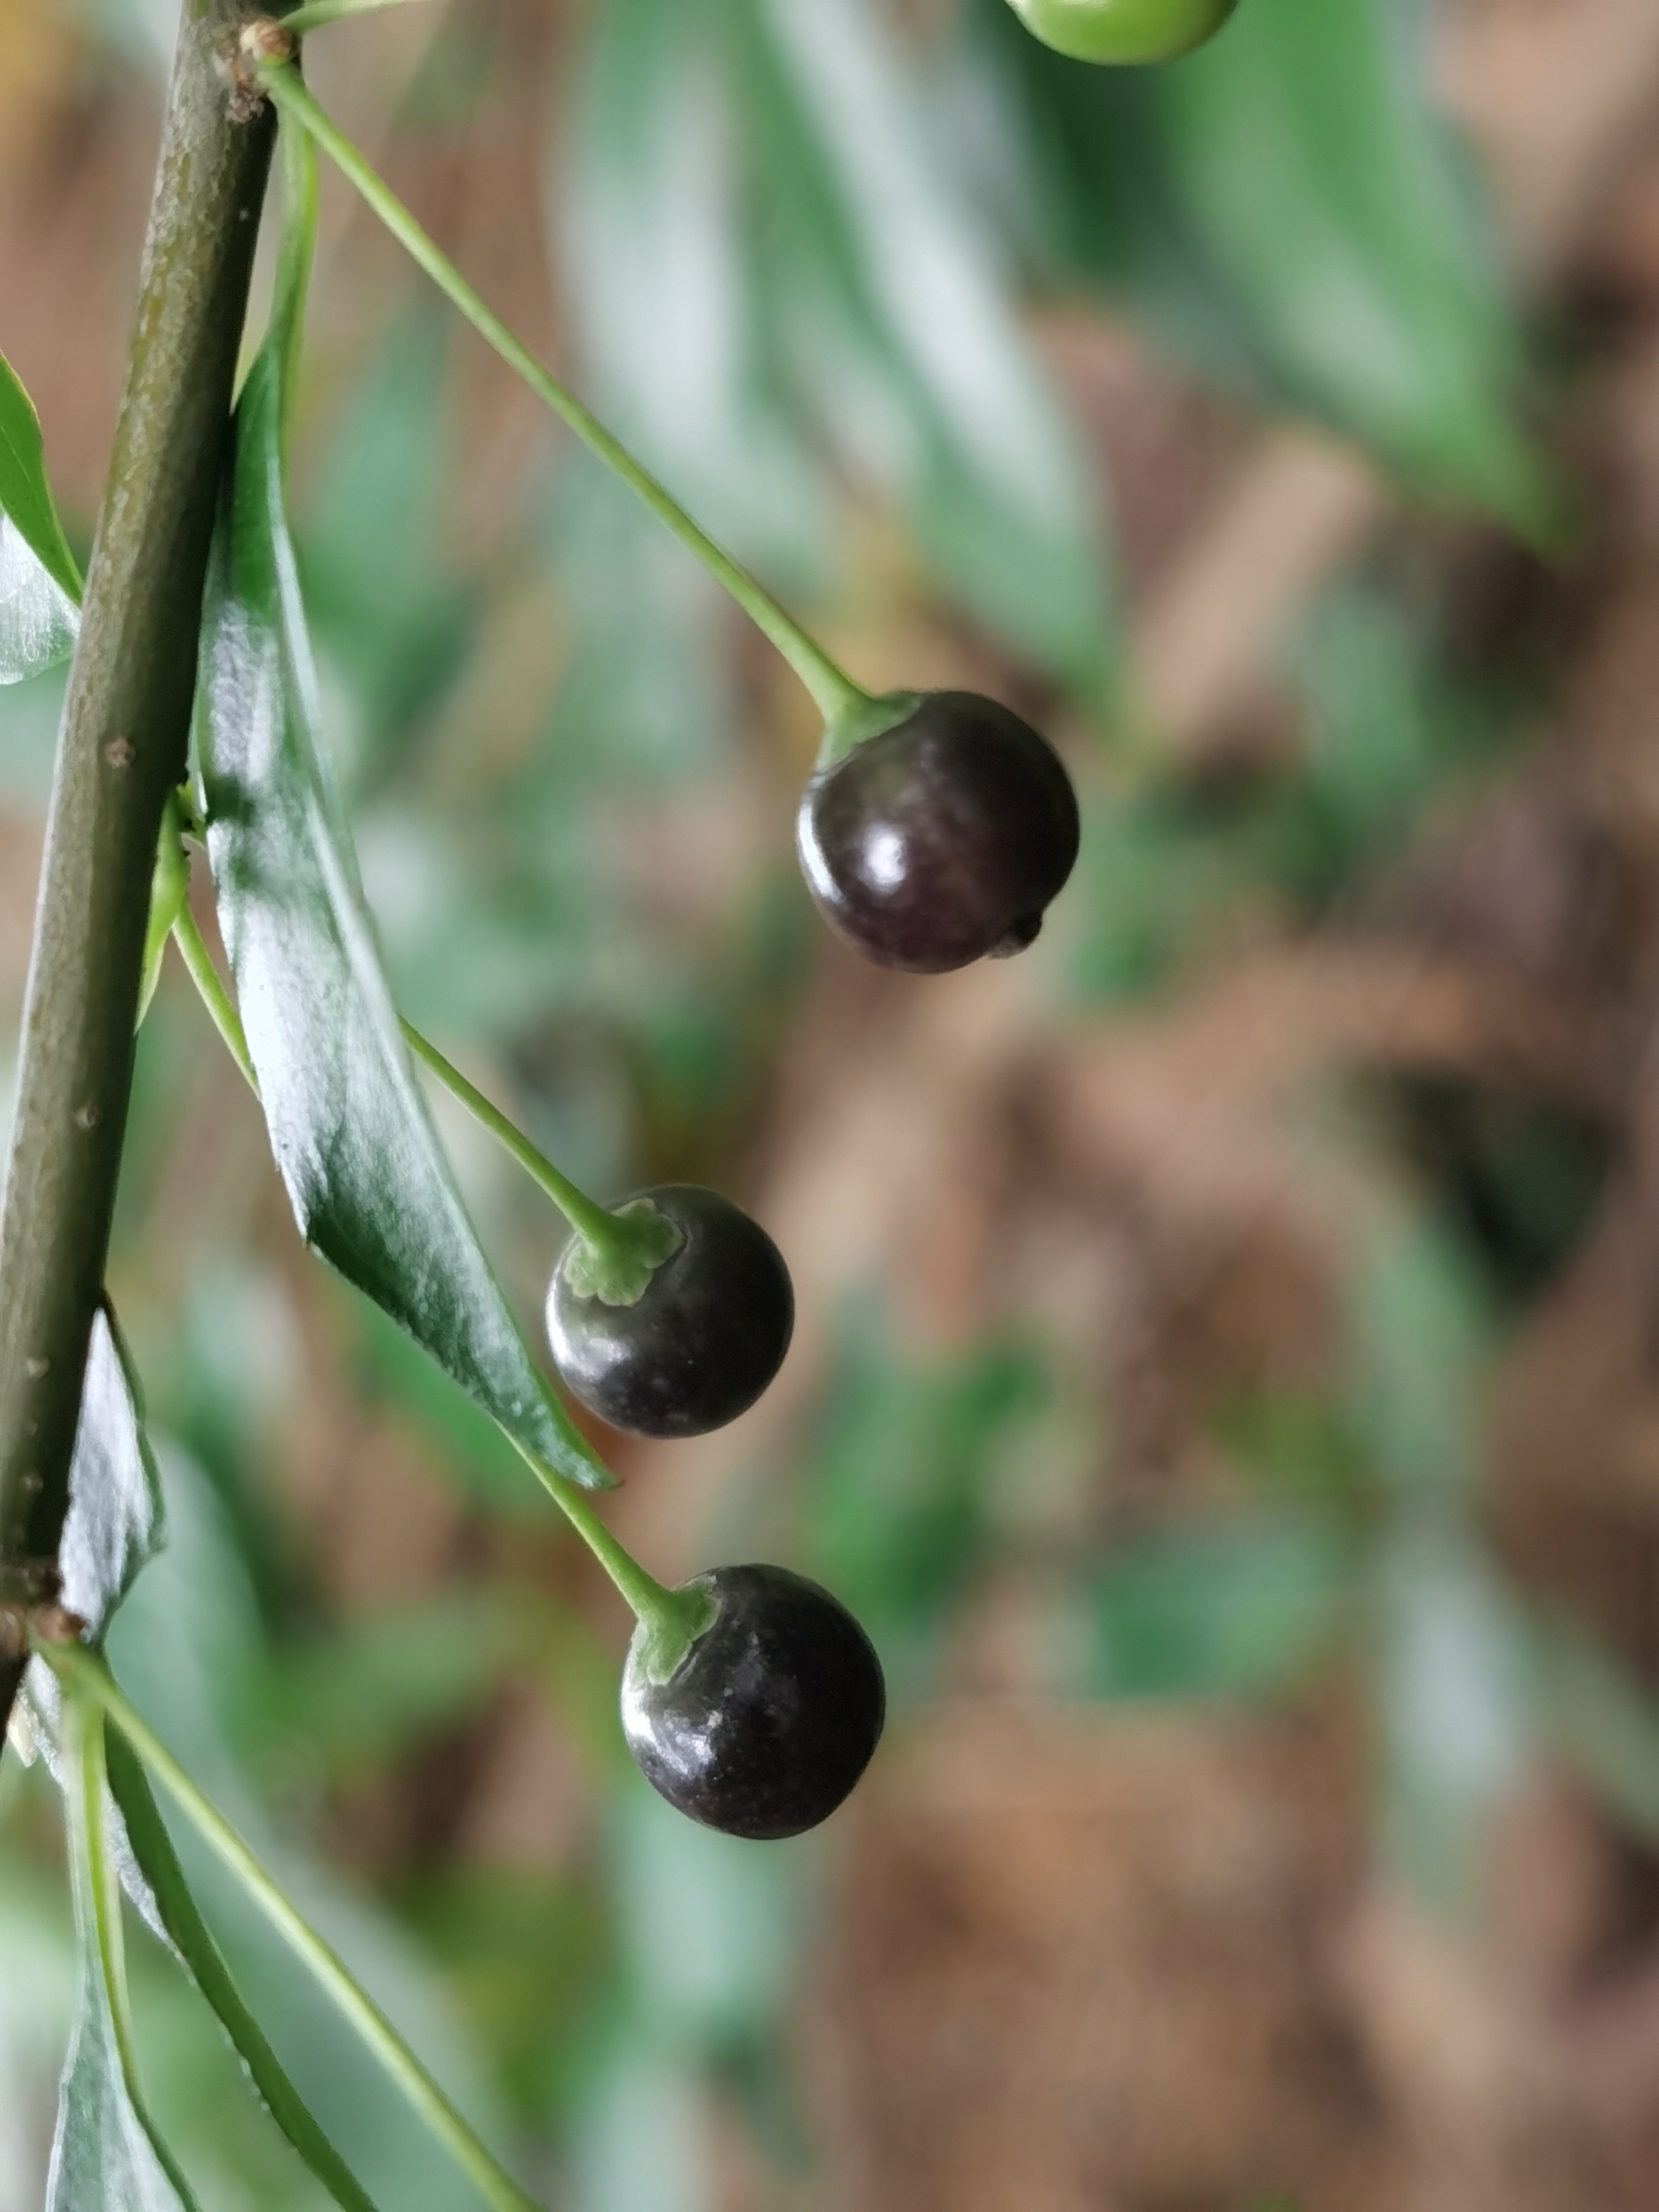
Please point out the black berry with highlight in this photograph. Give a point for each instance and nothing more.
(942, 839)
(770, 1717)
(702, 1340)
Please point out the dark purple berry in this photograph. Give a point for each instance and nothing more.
(942, 839)
(702, 1340)
(771, 1716)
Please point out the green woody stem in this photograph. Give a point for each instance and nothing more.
(120, 751)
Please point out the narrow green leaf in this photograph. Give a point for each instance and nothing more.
(658, 195)
(89, 1679)
(193, 1940)
(106, 2154)
(24, 492)
(38, 624)
(115, 1520)
(191, 1644)
(39, 583)
(1418, 1327)
(115, 1524)
(169, 888)
(370, 1187)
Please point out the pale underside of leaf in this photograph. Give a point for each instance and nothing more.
(102, 2157)
(115, 1522)
(25, 495)
(39, 584)
(37, 619)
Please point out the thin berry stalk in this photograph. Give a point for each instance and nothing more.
(672, 1619)
(316, 14)
(611, 1236)
(838, 698)
(625, 1244)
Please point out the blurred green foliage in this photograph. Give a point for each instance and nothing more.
(1237, 1607)
(1179, 871)
(799, 245)
(1285, 207)
(900, 1483)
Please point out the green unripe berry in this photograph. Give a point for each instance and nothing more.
(1123, 30)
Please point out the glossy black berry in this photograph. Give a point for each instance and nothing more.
(942, 839)
(702, 1340)
(771, 1716)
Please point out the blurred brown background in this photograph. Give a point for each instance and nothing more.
(1226, 1377)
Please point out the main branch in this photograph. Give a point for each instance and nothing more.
(120, 750)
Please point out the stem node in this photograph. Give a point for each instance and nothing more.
(263, 44)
